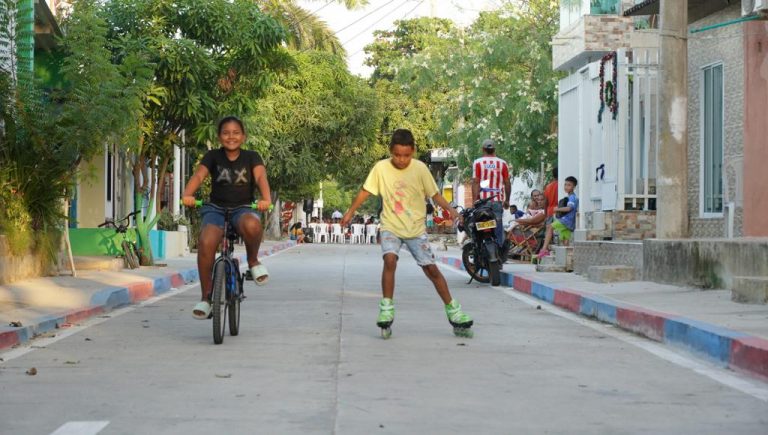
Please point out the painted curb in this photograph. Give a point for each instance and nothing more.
(112, 297)
(736, 350)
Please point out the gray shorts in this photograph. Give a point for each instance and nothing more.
(419, 247)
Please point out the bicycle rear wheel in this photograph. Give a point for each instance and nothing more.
(129, 253)
(219, 302)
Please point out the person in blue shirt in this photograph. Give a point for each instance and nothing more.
(566, 223)
(515, 212)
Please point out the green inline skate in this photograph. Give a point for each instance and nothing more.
(386, 317)
(460, 320)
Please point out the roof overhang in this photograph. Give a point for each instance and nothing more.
(697, 9)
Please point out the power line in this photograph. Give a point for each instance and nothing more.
(311, 14)
(364, 16)
(379, 20)
(404, 17)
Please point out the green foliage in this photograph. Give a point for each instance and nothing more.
(49, 132)
(207, 58)
(314, 122)
(494, 80)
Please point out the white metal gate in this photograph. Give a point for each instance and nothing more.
(638, 138)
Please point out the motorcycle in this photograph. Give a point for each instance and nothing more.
(481, 251)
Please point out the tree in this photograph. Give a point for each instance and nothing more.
(48, 132)
(498, 81)
(401, 109)
(208, 58)
(313, 123)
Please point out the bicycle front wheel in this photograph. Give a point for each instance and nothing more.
(234, 311)
(219, 301)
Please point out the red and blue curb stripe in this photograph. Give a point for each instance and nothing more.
(736, 350)
(110, 298)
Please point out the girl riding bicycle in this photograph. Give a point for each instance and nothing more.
(234, 175)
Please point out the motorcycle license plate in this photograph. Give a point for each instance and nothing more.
(487, 225)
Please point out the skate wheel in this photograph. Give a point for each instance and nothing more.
(463, 332)
(386, 333)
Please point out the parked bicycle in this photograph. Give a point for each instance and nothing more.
(128, 245)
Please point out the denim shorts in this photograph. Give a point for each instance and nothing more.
(419, 247)
(215, 216)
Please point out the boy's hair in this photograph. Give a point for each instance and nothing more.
(402, 136)
(227, 120)
(572, 179)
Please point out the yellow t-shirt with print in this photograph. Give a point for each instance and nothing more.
(402, 193)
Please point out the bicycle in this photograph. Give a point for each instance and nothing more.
(227, 280)
(130, 251)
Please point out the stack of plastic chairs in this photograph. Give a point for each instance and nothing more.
(358, 234)
(337, 235)
(370, 233)
(321, 233)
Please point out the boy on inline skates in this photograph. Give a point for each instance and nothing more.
(403, 184)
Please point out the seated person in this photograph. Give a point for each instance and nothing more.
(297, 233)
(515, 212)
(536, 213)
(566, 223)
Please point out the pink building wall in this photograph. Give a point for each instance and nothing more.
(756, 129)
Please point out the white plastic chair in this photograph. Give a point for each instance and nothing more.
(322, 232)
(370, 233)
(358, 234)
(337, 236)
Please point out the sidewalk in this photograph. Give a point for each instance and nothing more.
(42, 305)
(706, 322)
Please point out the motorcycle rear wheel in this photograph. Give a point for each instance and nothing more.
(473, 269)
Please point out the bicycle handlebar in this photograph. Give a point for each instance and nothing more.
(252, 206)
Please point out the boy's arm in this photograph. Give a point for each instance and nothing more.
(359, 200)
(439, 200)
(260, 174)
(188, 198)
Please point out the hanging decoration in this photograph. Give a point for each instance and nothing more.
(608, 89)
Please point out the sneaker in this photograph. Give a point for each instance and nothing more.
(455, 315)
(386, 312)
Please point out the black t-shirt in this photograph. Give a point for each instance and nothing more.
(232, 182)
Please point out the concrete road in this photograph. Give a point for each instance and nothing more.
(310, 359)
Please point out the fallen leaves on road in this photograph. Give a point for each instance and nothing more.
(72, 362)
(224, 375)
(15, 324)
(32, 371)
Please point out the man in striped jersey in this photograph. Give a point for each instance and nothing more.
(496, 171)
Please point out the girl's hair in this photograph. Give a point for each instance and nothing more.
(227, 120)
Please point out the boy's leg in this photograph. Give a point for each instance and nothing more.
(388, 276)
(547, 239)
(438, 280)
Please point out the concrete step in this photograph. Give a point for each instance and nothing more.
(564, 257)
(750, 289)
(98, 263)
(611, 273)
(550, 267)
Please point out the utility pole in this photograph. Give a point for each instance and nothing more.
(672, 154)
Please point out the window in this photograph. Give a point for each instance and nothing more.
(712, 139)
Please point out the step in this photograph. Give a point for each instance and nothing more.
(750, 289)
(98, 263)
(564, 257)
(611, 273)
(550, 267)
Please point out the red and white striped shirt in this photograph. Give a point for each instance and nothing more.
(495, 170)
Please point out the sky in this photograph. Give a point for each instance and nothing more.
(355, 28)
